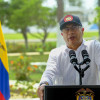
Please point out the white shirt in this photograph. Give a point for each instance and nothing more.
(59, 66)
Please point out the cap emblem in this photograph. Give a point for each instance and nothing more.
(68, 18)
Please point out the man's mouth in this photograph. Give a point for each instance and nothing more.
(72, 37)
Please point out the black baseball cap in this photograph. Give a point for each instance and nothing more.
(69, 19)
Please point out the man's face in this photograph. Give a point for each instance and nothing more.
(73, 35)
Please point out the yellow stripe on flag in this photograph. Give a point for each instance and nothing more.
(3, 50)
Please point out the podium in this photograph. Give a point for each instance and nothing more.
(76, 92)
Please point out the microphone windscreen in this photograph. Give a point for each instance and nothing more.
(84, 53)
(71, 53)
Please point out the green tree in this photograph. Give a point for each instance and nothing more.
(45, 21)
(4, 11)
(30, 13)
(23, 14)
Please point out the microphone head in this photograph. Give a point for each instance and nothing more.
(85, 56)
(72, 53)
(72, 56)
(84, 53)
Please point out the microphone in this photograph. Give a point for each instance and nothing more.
(85, 56)
(73, 58)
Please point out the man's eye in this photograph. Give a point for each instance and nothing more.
(67, 28)
(73, 27)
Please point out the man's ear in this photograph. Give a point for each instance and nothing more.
(62, 34)
(82, 29)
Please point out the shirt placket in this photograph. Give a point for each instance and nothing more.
(78, 55)
(77, 73)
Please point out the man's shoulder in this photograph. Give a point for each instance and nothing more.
(90, 42)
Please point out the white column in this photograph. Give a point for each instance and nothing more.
(60, 40)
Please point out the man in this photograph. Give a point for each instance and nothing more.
(59, 60)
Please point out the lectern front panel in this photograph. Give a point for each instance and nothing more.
(83, 92)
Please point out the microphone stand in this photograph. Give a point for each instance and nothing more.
(74, 61)
(81, 71)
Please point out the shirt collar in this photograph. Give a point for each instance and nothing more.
(82, 46)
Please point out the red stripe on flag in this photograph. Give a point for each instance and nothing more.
(1, 96)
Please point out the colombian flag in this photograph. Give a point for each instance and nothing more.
(4, 69)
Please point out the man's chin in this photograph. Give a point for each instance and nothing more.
(72, 41)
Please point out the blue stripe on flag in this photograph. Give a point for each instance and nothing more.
(4, 81)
